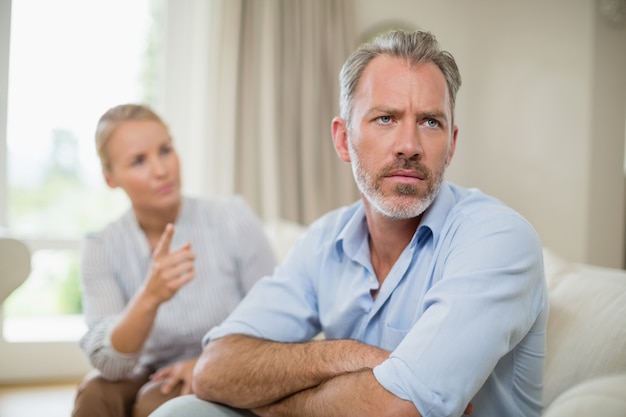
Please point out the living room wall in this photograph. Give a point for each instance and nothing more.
(541, 111)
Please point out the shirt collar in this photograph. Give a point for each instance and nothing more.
(435, 216)
(354, 233)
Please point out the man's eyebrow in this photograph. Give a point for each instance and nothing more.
(382, 109)
(434, 114)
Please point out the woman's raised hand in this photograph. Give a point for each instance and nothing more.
(170, 270)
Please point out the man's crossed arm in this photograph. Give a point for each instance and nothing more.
(318, 378)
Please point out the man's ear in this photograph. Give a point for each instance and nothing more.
(340, 138)
(455, 132)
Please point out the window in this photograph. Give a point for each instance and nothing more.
(69, 61)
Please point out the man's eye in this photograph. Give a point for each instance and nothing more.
(385, 119)
(432, 123)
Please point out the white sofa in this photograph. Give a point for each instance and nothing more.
(585, 372)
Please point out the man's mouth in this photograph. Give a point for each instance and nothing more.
(407, 173)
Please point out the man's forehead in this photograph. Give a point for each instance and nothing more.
(387, 79)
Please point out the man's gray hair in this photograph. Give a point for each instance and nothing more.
(415, 47)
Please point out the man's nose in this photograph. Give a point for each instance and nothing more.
(408, 142)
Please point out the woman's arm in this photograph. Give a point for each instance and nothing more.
(168, 273)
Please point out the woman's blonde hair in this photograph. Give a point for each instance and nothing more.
(114, 117)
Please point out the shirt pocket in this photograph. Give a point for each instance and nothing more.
(392, 337)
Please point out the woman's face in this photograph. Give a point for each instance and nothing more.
(143, 162)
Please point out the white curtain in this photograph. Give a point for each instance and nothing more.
(265, 84)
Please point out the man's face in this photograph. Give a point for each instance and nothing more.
(401, 139)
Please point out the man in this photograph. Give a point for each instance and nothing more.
(431, 297)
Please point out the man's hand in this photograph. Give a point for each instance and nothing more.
(174, 374)
(169, 270)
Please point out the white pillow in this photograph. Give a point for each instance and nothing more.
(555, 266)
(602, 397)
(586, 329)
(282, 235)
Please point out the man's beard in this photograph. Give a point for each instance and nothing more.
(396, 205)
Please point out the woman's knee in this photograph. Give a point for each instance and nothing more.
(96, 396)
(150, 397)
(92, 393)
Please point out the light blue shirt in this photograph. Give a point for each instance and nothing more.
(463, 310)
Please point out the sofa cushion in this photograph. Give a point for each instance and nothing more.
(555, 266)
(602, 397)
(282, 235)
(587, 325)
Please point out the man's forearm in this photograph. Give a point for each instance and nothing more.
(246, 372)
(355, 394)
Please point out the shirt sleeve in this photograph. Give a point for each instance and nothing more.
(486, 295)
(103, 301)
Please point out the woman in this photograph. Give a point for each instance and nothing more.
(157, 279)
